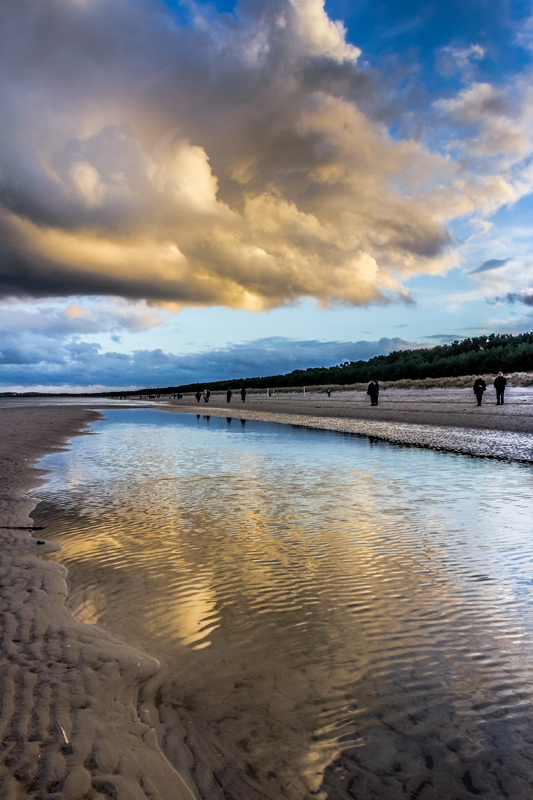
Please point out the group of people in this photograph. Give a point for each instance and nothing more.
(500, 382)
(206, 394)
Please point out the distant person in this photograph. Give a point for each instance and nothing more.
(243, 394)
(228, 395)
(329, 392)
(479, 387)
(207, 395)
(198, 396)
(500, 382)
(373, 392)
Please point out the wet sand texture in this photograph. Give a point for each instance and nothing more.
(69, 728)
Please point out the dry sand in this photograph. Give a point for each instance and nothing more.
(69, 727)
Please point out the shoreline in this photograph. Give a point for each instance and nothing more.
(441, 421)
(69, 726)
(439, 407)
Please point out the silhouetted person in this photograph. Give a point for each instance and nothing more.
(500, 382)
(228, 395)
(198, 396)
(207, 395)
(243, 394)
(479, 387)
(373, 392)
(329, 392)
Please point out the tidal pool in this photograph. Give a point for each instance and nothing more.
(336, 617)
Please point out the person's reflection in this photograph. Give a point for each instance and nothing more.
(207, 418)
(228, 420)
(243, 422)
(198, 416)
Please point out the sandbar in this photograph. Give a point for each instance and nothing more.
(442, 407)
(439, 419)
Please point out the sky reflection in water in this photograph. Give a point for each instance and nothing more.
(311, 594)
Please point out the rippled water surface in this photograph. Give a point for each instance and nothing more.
(335, 617)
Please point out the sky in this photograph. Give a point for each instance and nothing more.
(194, 191)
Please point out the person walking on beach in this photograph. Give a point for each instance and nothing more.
(228, 395)
(198, 396)
(373, 392)
(243, 394)
(207, 395)
(479, 387)
(500, 382)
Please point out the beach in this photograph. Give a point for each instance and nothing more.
(69, 719)
(438, 407)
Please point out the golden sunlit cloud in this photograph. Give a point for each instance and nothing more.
(227, 164)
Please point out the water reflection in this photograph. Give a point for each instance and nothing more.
(314, 597)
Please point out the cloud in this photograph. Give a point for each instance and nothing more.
(445, 337)
(224, 161)
(525, 297)
(492, 263)
(38, 362)
(51, 336)
(460, 60)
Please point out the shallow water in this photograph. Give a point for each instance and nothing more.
(337, 617)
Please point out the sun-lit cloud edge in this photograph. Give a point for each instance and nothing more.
(247, 174)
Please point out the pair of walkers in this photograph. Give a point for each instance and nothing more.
(243, 395)
(500, 382)
(206, 394)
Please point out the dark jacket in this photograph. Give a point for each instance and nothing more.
(479, 386)
(373, 388)
(500, 382)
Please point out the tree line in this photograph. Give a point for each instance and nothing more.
(472, 356)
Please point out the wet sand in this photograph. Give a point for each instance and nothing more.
(69, 727)
(441, 407)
